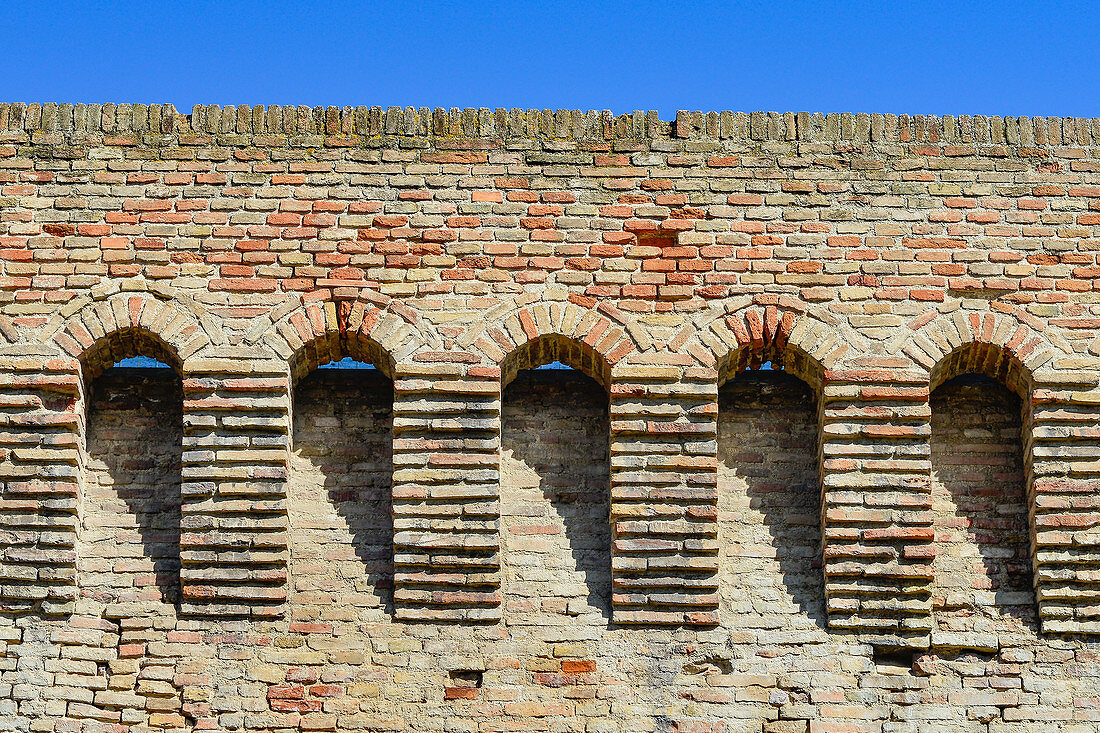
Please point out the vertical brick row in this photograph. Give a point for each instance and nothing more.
(446, 501)
(233, 543)
(1063, 445)
(664, 494)
(876, 505)
(40, 425)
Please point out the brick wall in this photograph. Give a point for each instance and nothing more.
(769, 514)
(338, 495)
(894, 528)
(983, 585)
(555, 501)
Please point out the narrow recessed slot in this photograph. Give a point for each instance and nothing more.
(464, 684)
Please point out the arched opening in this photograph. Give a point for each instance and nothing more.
(339, 493)
(769, 496)
(555, 485)
(983, 582)
(130, 509)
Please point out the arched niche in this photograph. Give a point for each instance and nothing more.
(339, 491)
(980, 422)
(129, 541)
(555, 483)
(769, 485)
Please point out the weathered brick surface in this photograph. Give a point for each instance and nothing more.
(555, 503)
(675, 541)
(983, 583)
(769, 502)
(341, 478)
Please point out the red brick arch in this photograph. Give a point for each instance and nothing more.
(103, 331)
(544, 332)
(320, 331)
(999, 345)
(1021, 353)
(743, 336)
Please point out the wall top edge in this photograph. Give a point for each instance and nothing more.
(351, 123)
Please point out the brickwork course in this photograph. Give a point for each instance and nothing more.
(826, 458)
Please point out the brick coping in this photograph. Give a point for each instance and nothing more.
(350, 126)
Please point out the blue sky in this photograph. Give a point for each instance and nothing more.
(1011, 58)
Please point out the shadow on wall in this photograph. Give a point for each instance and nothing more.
(555, 479)
(343, 437)
(134, 448)
(769, 496)
(979, 495)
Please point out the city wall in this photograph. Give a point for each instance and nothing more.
(826, 458)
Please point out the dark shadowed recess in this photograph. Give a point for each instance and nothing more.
(343, 423)
(768, 434)
(556, 421)
(135, 426)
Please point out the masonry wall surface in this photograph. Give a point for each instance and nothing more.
(827, 458)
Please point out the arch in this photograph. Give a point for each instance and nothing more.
(769, 435)
(1013, 348)
(732, 339)
(333, 346)
(124, 344)
(551, 311)
(369, 328)
(563, 331)
(745, 335)
(340, 478)
(991, 360)
(534, 463)
(123, 325)
(551, 348)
